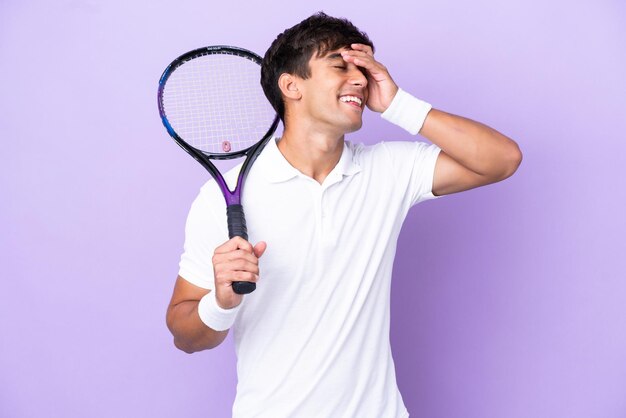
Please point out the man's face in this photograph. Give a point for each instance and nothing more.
(334, 96)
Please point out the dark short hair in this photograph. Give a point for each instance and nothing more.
(291, 51)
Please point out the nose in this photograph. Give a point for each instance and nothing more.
(357, 78)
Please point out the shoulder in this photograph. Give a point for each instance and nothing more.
(208, 204)
(361, 151)
(392, 149)
(401, 158)
(209, 192)
(385, 151)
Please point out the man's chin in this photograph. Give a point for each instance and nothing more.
(354, 127)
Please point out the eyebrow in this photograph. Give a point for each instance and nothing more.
(333, 56)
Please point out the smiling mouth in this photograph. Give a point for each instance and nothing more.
(352, 100)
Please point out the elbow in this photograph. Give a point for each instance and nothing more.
(191, 347)
(190, 335)
(516, 159)
(182, 346)
(513, 161)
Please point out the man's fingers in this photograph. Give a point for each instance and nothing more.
(225, 258)
(244, 276)
(232, 244)
(375, 70)
(237, 261)
(238, 265)
(241, 254)
(236, 276)
(260, 248)
(362, 47)
(362, 59)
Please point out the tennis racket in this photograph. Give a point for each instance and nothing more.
(212, 104)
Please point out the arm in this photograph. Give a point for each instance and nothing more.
(190, 333)
(472, 154)
(235, 260)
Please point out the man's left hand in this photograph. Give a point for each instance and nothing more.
(381, 87)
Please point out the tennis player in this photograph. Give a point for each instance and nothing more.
(323, 216)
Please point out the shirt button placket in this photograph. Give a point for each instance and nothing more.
(320, 212)
(325, 219)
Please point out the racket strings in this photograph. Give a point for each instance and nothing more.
(216, 104)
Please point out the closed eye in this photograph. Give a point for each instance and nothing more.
(340, 66)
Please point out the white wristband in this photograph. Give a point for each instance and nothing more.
(215, 317)
(407, 112)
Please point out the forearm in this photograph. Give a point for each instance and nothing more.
(477, 147)
(190, 333)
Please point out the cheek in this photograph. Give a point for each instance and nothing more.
(323, 97)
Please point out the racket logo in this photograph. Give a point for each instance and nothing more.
(226, 146)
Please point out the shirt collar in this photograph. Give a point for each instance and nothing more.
(278, 168)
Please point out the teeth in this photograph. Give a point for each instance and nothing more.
(351, 99)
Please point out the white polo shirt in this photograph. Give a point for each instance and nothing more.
(313, 339)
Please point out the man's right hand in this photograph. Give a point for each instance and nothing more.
(235, 261)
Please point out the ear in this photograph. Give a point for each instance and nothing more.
(288, 85)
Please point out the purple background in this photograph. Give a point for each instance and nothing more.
(508, 300)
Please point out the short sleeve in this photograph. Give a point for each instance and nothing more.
(204, 231)
(414, 166)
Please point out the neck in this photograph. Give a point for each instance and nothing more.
(314, 154)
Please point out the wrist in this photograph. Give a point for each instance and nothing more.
(213, 315)
(407, 111)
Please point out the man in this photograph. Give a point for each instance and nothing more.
(325, 214)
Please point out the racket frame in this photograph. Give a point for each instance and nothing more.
(232, 197)
(235, 214)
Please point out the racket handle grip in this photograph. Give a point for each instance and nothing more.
(237, 228)
(236, 222)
